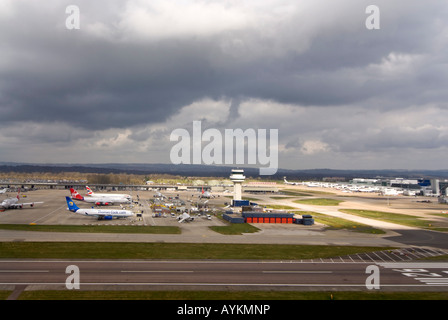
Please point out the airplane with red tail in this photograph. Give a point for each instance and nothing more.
(99, 201)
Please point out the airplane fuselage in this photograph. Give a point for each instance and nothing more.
(8, 203)
(108, 200)
(99, 201)
(113, 195)
(105, 213)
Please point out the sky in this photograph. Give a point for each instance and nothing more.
(113, 88)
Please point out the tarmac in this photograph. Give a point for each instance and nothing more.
(54, 211)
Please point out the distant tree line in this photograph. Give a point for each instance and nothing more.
(115, 178)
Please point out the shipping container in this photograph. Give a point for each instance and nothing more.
(308, 222)
(240, 203)
(232, 219)
(268, 217)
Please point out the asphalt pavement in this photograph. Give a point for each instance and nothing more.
(221, 275)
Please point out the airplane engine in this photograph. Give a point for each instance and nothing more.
(108, 218)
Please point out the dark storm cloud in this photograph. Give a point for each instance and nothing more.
(105, 86)
(101, 83)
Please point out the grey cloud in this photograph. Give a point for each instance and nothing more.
(102, 76)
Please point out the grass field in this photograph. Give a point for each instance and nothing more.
(277, 206)
(235, 228)
(93, 229)
(335, 223)
(296, 193)
(280, 198)
(121, 250)
(307, 192)
(225, 295)
(404, 219)
(319, 202)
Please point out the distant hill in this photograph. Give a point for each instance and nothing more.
(215, 171)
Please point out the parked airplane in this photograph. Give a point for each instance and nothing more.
(108, 195)
(312, 184)
(291, 183)
(13, 203)
(99, 201)
(185, 217)
(159, 195)
(99, 213)
(391, 192)
(206, 194)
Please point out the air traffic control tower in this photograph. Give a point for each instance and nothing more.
(237, 178)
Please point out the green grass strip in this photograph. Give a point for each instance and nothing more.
(403, 219)
(276, 206)
(306, 192)
(132, 250)
(235, 229)
(93, 228)
(227, 295)
(319, 202)
(335, 223)
(4, 294)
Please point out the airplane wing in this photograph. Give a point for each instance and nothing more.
(21, 205)
(185, 216)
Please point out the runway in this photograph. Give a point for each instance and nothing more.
(220, 275)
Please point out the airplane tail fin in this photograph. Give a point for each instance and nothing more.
(18, 194)
(71, 205)
(76, 195)
(89, 191)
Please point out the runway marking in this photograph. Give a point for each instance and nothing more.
(378, 256)
(303, 272)
(224, 284)
(413, 254)
(35, 221)
(412, 265)
(433, 279)
(418, 271)
(148, 209)
(387, 255)
(23, 271)
(398, 255)
(158, 271)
